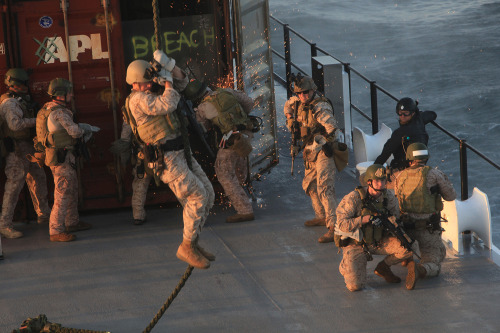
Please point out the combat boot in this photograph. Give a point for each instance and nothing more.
(188, 252)
(62, 237)
(240, 218)
(383, 270)
(328, 236)
(414, 273)
(205, 253)
(318, 221)
(10, 233)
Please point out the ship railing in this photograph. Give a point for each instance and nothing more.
(289, 35)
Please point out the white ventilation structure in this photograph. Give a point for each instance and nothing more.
(368, 147)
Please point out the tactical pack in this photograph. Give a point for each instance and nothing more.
(230, 113)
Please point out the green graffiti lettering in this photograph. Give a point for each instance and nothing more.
(210, 35)
(183, 40)
(140, 46)
(168, 41)
(191, 39)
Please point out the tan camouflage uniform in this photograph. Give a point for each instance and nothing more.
(19, 169)
(191, 187)
(230, 168)
(431, 246)
(319, 176)
(354, 260)
(65, 209)
(139, 185)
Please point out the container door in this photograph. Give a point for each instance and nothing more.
(255, 76)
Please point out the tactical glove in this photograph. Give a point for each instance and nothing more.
(294, 150)
(164, 60)
(327, 149)
(375, 220)
(163, 76)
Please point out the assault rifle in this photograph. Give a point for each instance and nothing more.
(393, 227)
(295, 129)
(187, 108)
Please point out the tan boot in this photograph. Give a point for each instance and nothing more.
(10, 233)
(80, 226)
(188, 252)
(327, 237)
(383, 270)
(422, 272)
(62, 237)
(205, 253)
(240, 218)
(318, 221)
(413, 275)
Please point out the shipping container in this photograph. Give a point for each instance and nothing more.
(225, 43)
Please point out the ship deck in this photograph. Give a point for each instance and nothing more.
(270, 275)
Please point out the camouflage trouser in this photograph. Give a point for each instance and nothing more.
(432, 250)
(65, 209)
(192, 188)
(353, 264)
(139, 193)
(231, 170)
(19, 169)
(319, 184)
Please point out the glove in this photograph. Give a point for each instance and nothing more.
(289, 123)
(164, 60)
(163, 76)
(294, 150)
(119, 146)
(88, 130)
(327, 149)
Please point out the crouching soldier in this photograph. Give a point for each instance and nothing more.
(419, 189)
(228, 109)
(359, 236)
(58, 135)
(18, 116)
(154, 118)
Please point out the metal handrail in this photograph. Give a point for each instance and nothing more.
(374, 89)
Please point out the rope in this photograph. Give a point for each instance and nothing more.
(169, 301)
(180, 106)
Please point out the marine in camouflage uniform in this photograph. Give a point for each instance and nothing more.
(231, 165)
(155, 120)
(317, 130)
(18, 116)
(419, 189)
(141, 181)
(59, 143)
(361, 238)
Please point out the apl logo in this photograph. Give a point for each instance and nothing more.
(53, 48)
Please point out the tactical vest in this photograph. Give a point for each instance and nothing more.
(305, 116)
(229, 112)
(413, 194)
(154, 130)
(371, 233)
(24, 134)
(58, 139)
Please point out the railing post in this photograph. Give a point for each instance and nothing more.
(314, 50)
(288, 60)
(373, 94)
(464, 180)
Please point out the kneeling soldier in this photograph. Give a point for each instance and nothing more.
(359, 238)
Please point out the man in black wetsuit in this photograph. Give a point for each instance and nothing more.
(411, 129)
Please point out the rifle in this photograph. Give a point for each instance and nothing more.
(295, 129)
(187, 107)
(394, 228)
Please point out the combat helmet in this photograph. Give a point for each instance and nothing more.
(195, 90)
(136, 72)
(16, 76)
(303, 83)
(417, 151)
(374, 171)
(59, 87)
(407, 104)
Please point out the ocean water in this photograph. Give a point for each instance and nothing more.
(445, 54)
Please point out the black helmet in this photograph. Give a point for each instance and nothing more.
(195, 90)
(407, 104)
